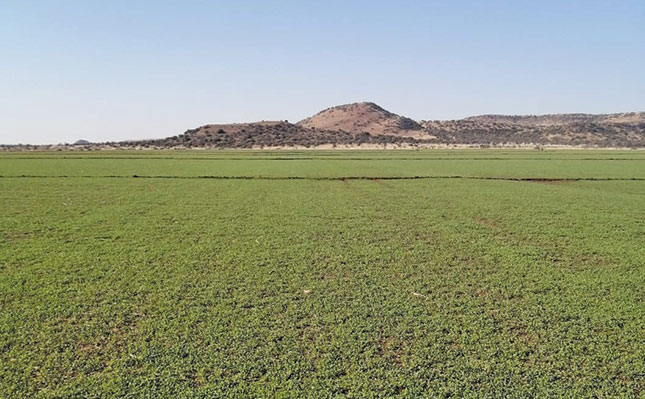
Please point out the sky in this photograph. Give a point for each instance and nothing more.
(117, 70)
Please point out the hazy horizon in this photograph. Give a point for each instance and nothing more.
(117, 71)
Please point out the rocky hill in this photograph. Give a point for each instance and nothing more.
(367, 124)
(605, 130)
(267, 134)
(562, 119)
(363, 117)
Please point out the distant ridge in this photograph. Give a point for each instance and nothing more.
(562, 119)
(368, 125)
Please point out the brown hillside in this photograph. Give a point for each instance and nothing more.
(266, 134)
(363, 117)
(561, 119)
(368, 124)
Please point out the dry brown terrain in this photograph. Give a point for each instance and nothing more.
(364, 117)
(367, 125)
(561, 119)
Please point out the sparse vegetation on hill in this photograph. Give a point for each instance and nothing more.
(562, 119)
(363, 117)
(369, 124)
(276, 134)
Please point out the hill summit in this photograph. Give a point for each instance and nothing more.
(363, 117)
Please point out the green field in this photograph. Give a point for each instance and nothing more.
(322, 274)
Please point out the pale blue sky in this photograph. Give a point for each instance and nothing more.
(113, 70)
